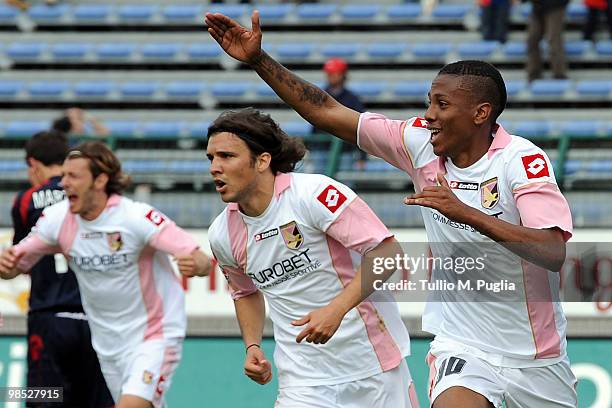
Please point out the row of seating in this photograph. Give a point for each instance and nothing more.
(379, 91)
(279, 13)
(370, 53)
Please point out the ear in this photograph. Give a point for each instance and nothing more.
(483, 113)
(263, 162)
(101, 181)
(32, 162)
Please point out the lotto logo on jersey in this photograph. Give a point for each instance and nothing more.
(535, 166)
(155, 217)
(331, 198)
(463, 185)
(420, 122)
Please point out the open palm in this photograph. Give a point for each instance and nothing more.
(237, 41)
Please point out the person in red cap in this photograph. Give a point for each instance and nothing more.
(337, 70)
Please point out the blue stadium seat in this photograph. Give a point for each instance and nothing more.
(481, 49)
(525, 10)
(184, 89)
(368, 89)
(274, 12)
(577, 48)
(198, 129)
(359, 11)
(138, 89)
(316, 11)
(25, 50)
(404, 11)
(533, 128)
(162, 129)
(99, 89)
(417, 89)
(230, 88)
(136, 12)
(297, 128)
(7, 13)
(294, 50)
(265, 91)
(431, 50)
(550, 87)
(609, 129)
(600, 166)
(92, 12)
(12, 166)
(22, 128)
(572, 166)
(70, 50)
(386, 50)
(115, 50)
(182, 12)
(576, 11)
(345, 50)
(48, 88)
(514, 87)
(188, 167)
(604, 47)
(206, 51)
(234, 11)
(451, 11)
(10, 88)
(581, 128)
(515, 49)
(594, 88)
(44, 13)
(161, 50)
(122, 127)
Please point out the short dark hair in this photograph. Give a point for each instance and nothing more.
(261, 134)
(62, 124)
(102, 160)
(492, 90)
(48, 147)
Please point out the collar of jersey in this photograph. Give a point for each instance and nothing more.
(281, 182)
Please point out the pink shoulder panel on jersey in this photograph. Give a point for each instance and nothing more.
(541, 205)
(173, 240)
(358, 228)
(150, 295)
(34, 248)
(68, 232)
(240, 284)
(383, 137)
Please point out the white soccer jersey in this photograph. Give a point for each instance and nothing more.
(514, 181)
(128, 287)
(301, 253)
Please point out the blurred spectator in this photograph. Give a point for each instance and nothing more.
(336, 70)
(77, 122)
(494, 19)
(547, 18)
(25, 4)
(595, 8)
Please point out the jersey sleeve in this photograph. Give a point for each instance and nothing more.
(324, 200)
(400, 143)
(538, 199)
(42, 240)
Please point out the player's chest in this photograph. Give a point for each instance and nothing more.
(104, 248)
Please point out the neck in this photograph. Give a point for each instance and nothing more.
(260, 197)
(478, 148)
(47, 172)
(98, 205)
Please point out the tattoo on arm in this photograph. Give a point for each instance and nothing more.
(268, 68)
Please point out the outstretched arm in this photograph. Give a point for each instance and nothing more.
(311, 102)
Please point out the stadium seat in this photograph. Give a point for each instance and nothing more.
(451, 11)
(550, 87)
(22, 128)
(594, 88)
(604, 48)
(386, 50)
(359, 11)
(600, 166)
(514, 87)
(159, 129)
(344, 50)
(480, 49)
(533, 129)
(431, 50)
(264, 90)
(297, 128)
(234, 11)
(91, 12)
(184, 89)
(417, 89)
(10, 88)
(575, 11)
(93, 88)
(198, 130)
(404, 11)
(581, 128)
(70, 50)
(23, 50)
(44, 13)
(138, 89)
(274, 12)
(7, 14)
(182, 12)
(115, 50)
(230, 88)
(161, 50)
(136, 12)
(316, 11)
(206, 51)
(188, 167)
(367, 89)
(572, 166)
(515, 49)
(48, 88)
(577, 48)
(294, 50)
(122, 127)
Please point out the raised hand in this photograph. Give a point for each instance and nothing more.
(237, 41)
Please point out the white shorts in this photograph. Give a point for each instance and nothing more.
(543, 387)
(145, 371)
(393, 388)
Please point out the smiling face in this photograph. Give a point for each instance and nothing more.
(86, 195)
(232, 166)
(454, 117)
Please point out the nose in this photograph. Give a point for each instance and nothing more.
(215, 167)
(64, 182)
(430, 113)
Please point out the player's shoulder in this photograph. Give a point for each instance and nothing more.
(520, 145)
(219, 224)
(57, 210)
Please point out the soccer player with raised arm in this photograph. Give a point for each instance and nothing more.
(500, 351)
(295, 239)
(118, 249)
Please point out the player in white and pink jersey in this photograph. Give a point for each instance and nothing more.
(119, 250)
(297, 239)
(476, 184)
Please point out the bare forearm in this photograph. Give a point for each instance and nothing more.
(251, 314)
(542, 247)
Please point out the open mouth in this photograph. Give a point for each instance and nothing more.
(72, 198)
(435, 132)
(219, 185)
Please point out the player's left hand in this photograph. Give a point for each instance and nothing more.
(195, 264)
(440, 198)
(321, 324)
